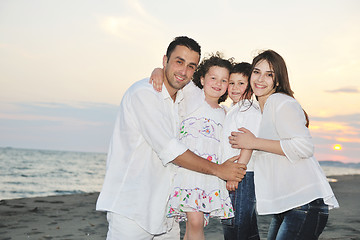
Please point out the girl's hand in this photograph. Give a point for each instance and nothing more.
(244, 139)
(157, 79)
(231, 185)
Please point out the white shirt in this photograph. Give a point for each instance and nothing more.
(145, 140)
(194, 98)
(243, 114)
(285, 182)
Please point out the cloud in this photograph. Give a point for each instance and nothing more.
(344, 90)
(133, 26)
(15, 50)
(139, 9)
(347, 118)
(341, 127)
(65, 126)
(337, 129)
(84, 111)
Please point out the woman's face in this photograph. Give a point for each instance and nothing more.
(262, 80)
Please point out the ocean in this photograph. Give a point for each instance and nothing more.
(35, 173)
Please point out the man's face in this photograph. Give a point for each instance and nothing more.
(179, 68)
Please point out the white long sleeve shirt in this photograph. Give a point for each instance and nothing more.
(285, 182)
(243, 114)
(138, 169)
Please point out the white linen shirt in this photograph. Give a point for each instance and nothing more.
(138, 169)
(194, 98)
(243, 114)
(285, 182)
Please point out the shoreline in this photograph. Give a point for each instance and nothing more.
(74, 216)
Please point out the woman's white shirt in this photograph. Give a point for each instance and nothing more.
(285, 182)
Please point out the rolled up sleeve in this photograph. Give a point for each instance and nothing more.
(156, 125)
(173, 149)
(296, 149)
(295, 138)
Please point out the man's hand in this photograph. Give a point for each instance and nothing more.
(231, 171)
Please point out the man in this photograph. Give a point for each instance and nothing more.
(144, 145)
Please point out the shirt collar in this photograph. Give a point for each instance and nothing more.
(166, 95)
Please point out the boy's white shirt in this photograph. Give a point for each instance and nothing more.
(242, 114)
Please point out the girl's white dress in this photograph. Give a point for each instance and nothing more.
(192, 191)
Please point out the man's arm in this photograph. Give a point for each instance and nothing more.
(156, 129)
(229, 170)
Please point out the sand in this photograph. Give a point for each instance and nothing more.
(53, 217)
(74, 216)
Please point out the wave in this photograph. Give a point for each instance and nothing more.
(31, 173)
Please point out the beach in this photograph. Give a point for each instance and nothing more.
(74, 216)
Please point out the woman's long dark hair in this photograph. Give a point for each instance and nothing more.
(281, 78)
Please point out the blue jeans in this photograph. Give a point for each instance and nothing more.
(244, 224)
(305, 222)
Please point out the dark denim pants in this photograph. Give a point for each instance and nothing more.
(305, 222)
(244, 224)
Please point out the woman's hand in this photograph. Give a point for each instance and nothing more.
(244, 139)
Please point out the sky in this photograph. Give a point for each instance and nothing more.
(65, 65)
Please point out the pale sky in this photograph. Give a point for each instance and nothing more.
(64, 65)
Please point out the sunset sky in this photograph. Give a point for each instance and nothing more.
(65, 65)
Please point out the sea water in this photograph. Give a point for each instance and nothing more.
(33, 173)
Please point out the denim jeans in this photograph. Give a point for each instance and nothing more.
(244, 224)
(305, 222)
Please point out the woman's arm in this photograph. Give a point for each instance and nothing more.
(290, 124)
(245, 139)
(295, 140)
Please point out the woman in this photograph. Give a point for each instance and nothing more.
(289, 182)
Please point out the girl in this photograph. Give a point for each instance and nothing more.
(243, 113)
(289, 182)
(195, 197)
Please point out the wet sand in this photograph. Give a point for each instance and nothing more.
(74, 216)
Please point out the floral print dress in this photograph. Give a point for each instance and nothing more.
(193, 191)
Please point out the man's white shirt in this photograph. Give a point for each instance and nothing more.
(139, 171)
